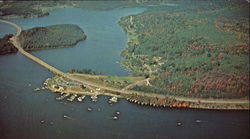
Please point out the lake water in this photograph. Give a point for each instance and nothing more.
(25, 114)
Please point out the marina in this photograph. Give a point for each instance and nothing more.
(32, 109)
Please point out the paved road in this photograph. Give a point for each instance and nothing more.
(16, 43)
(124, 91)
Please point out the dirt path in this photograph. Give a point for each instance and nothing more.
(141, 82)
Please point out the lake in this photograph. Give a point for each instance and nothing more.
(28, 114)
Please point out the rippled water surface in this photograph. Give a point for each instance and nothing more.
(25, 114)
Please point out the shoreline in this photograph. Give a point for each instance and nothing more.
(206, 106)
(152, 99)
(56, 47)
(69, 45)
(132, 66)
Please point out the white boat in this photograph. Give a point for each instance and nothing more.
(37, 89)
(63, 96)
(89, 109)
(113, 100)
(94, 98)
(80, 98)
(72, 97)
(179, 123)
(115, 117)
(198, 121)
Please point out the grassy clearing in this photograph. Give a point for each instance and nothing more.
(128, 79)
(111, 81)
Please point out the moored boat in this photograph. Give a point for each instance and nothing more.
(81, 98)
(94, 98)
(72, 97)
(63, 96)
(113, 100)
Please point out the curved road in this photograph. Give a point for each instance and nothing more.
(16, 43)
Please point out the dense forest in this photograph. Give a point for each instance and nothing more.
(5, 46)
(186, 48)
(29, 9)
(191, 49)
(84, 71)
(54, 36)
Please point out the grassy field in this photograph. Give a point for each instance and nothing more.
(54, 36)
(193, 49)
(110, 81)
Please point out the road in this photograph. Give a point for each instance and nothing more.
(16, 43)
(74, 77)
(54, 70)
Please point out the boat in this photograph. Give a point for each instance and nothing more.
(118, 113)
(72, 97)
(66, 116)
(198, 121)
(80, 98)
(89, 109)
(115, 117)
(113, 100)
(42, 121)
(94, 98)
(63, 96)
(37, 89)
(179, 123)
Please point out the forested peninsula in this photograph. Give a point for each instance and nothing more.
(54, 36)
(202, 53)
